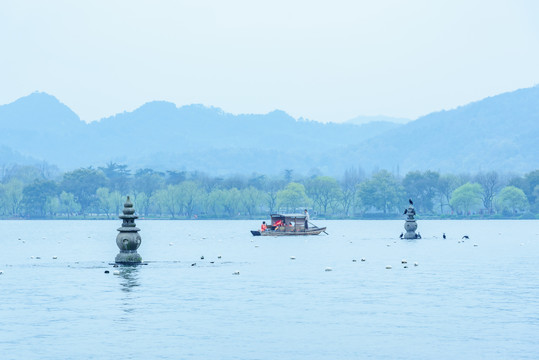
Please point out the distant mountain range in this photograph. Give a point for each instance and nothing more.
(497, 133)
(360, 120)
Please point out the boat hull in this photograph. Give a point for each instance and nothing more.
(312, 231)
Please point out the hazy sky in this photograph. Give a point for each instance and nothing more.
(323, 60)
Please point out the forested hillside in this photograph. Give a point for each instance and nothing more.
(498, 133)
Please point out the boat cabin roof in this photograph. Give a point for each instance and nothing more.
(288, 216)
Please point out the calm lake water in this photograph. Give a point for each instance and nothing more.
(477, 299)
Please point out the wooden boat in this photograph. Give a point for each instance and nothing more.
(288, 225)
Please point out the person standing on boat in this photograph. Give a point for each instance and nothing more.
(306, 219)
(263, 227)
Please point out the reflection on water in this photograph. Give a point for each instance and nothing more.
(130, 278)
(129, 282)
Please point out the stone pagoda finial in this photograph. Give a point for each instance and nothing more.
(410, 225)
(128, 240)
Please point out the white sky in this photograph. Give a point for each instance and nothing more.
(323, 60)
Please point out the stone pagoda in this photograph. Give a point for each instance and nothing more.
(128, 240)
(410, 225)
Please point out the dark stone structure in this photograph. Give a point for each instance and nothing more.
(128, 240)
(410, 225)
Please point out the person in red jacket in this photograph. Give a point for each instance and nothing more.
(263, 227)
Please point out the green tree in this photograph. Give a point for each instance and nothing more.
(175, 177)
(34, 197)
(288, 175)
(214, 202)
(68, 205)
(535, 204)
(118, 177)
(324, 191)
(382, 192)
(141, 202)
(231, 201)
(103, 201)
(190, 196)
(349, 186)
(83, 183)
(421, 187)
(12, 196)
(490, 184)
(271, 188)
(148, 181)
(52, 205)
(169, 200)
(251, 199)
(27, 174)
(532, 180)
(445, 187)
(467, 197)
(512, 199)
(109, 202)
(293, 196)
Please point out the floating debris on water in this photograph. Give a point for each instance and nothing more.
(328, 269)
(236, 273)
(416, 264)
(116, 272)
(55, 257)
(389, 267)
(403, 261)
(106, 271)
(292, 258)
(202, 257)
(354, 260)
(363, 259)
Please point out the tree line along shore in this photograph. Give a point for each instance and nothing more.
(42, 192)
